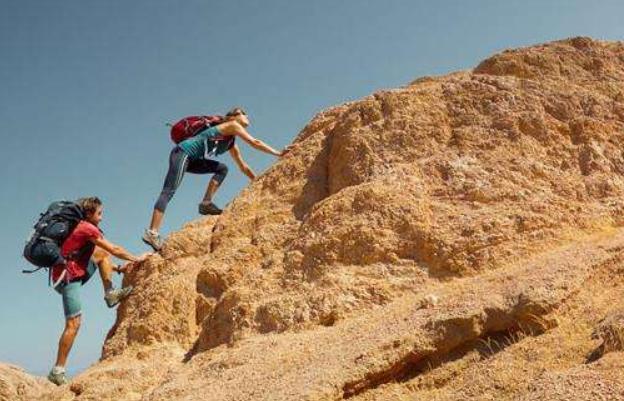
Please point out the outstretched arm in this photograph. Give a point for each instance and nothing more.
(115, 250)
(236, 155)
(234, 128)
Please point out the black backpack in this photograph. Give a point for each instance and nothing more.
(43, 247)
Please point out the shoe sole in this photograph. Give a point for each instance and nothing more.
(119, 300)
(211, 213)
(113, 305)
(56, 383)
(150, 244)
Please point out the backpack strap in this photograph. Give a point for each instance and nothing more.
(27, 271)
(53, 285)
(58, 281)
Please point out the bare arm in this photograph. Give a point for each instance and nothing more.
(236, 155)
(234, 128)
(115, 250)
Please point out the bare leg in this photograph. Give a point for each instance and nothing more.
(157, 218)
(105, 267)
(213, 185)
(67, 339)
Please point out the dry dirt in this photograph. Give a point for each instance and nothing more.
(459, 238)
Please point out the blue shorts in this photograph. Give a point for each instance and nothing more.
(71, 292)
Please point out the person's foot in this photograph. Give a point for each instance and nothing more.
(209, 208)
(57, 376)
(152, 238)
(113, 297)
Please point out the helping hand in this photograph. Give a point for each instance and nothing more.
(128, 267)
(125, 268)
(286, 150)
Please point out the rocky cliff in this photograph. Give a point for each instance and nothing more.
(457, 238)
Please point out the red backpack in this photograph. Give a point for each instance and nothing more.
(192, 125)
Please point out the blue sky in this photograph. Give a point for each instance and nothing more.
(87, 87)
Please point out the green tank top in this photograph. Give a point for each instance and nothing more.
(206, 144)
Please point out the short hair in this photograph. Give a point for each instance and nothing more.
(235, 111)
(90, 204)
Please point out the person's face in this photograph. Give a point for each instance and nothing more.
(95, 217)
(242, 119)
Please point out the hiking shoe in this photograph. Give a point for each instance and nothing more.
(209, 208)
(57, 377)
(113, 297)
(152, 238)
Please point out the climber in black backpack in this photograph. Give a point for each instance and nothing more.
(68, 242)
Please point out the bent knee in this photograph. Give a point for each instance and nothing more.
(99, 254)
(220, 173)
(222, 169)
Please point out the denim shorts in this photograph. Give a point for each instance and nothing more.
(71, 292)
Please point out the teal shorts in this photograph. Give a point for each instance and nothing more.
(71, 292)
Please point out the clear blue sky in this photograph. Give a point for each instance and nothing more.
(87, 86)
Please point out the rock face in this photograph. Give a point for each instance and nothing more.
(611, 331)
(17, 385)
(458, 238)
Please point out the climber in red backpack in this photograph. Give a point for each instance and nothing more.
(198, 140)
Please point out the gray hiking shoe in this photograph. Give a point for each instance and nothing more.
(57, 377)
(152, 238)
(209, 208)
(113, 297)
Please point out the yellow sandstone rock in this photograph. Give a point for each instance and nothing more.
(455, 239)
